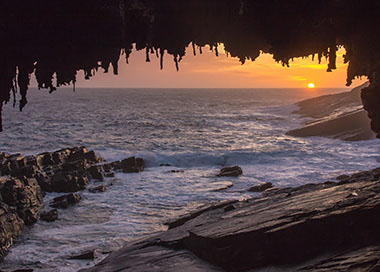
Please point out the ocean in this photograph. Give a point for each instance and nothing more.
(195, 131)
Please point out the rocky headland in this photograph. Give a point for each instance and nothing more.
(338, 116)
(24, 180)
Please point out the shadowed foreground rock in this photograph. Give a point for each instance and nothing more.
(316, 227)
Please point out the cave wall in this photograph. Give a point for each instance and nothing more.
(58, 38)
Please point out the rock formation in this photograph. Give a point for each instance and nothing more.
(315, 227)
(54, 40)
(25, 179)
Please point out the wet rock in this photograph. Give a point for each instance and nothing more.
(109, 174)
(20, 203)
(129, 165)
(66, 182)
(49, 216)
(327, 227)
(343, 177)
(63, 202)
(87, 255)
(260, 188)
(96, 172)
(233, 171)
(11, 226)
(25, 195)
(132, 165)
(176, 171)
(98, 189)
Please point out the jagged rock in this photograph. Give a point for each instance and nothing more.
(129, 165)
(49, 216)
(25, 195)
(20, 203)
(132, 165)
(260, 188)
(99, 189)
(11, 226)
(96, 172)
(63, 202)
(66, 182)
(65, 170)
(233, 171)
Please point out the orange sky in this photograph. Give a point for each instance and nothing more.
(209, 71)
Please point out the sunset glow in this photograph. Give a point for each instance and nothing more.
(311, 85)
(208, 71)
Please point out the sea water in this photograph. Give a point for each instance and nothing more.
(195, 131)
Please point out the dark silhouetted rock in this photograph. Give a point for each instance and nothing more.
(233, 171)
(96, 172)
(98, 189)
(260, 188)
(49, 216)
(63, 202)
(132, 165)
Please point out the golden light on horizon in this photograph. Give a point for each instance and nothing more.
(311, 85)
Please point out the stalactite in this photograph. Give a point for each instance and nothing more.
(162, 52)
(332, 58)
(176, 62)
(194, 52)
(147, 55)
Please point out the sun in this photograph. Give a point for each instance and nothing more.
(311, 85)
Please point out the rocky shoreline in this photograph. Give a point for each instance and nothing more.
(331, 226)
(24, 180)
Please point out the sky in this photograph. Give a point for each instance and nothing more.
(209, 71)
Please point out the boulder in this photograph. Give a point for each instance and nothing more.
(261, 188)
(132, 165)
(63, 202)
(233, 171)
(49, 216)
(98, 189)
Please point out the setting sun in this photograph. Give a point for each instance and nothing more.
(311, 85)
